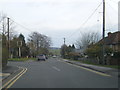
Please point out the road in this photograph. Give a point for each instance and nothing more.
(54, 73)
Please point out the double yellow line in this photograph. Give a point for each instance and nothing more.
(14, 79)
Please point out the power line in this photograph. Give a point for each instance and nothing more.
(19, 24)
(110, 25)
(87, 19)
(112, 8)
(22, 26)
(114, 2)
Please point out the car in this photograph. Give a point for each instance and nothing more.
(54, 56)
(41, 57)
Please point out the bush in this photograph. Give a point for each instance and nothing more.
(74, 55)
(116, 55)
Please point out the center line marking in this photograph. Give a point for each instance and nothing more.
(56, 68)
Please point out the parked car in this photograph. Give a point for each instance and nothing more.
(41, 57)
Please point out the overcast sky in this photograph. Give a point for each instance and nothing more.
(60, 18)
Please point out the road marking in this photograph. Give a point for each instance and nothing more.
(12, 81)
(100, 73)
(56, 68)
(16, 79)
(4, 74)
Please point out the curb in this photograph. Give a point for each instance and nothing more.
(85, 66)
(112, 73)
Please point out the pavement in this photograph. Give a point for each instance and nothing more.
(9, 70)
(107, 70)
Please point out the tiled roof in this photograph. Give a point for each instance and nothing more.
(112, 38)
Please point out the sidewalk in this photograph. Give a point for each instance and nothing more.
(7, 71)
(107, 70)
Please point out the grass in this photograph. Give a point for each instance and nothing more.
(21, 59)
(55, 51)
(87, 62)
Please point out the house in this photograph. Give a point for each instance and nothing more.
(112, 41)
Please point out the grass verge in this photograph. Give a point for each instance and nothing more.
(21, 59)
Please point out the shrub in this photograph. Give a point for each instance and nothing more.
(74, 55)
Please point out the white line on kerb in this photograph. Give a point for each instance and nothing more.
(56, 68)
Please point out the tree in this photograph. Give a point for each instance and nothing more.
(87, 39)
(16, 43)
(24, 47)
(38, 43)
(4, 51)
(4, 29)
(14, 47)
(3, 23)
(95, 51)
(3, 40)
(73, 46)
(63, 50)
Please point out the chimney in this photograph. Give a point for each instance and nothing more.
(109, 34)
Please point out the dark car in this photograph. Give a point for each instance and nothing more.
(41, 57)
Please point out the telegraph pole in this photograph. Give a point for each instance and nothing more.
(8, 35)
(64, 41)
(103, 32)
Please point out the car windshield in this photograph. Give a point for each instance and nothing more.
(41, 55)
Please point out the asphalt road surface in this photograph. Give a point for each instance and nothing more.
(54, 73)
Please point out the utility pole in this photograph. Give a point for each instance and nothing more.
(64, 41)
(8, 35)
(103, 53)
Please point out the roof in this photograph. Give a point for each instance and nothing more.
(112, 38)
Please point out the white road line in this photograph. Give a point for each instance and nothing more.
(56, 68)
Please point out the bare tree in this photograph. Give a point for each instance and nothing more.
(87, 39)
(3, 23)
(37, 42)
(3, 26)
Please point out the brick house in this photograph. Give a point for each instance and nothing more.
(113, 40)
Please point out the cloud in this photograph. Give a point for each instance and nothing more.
(55, 18)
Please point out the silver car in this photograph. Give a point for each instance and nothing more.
(41, 57)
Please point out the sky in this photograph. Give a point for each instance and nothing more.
(60, 19)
